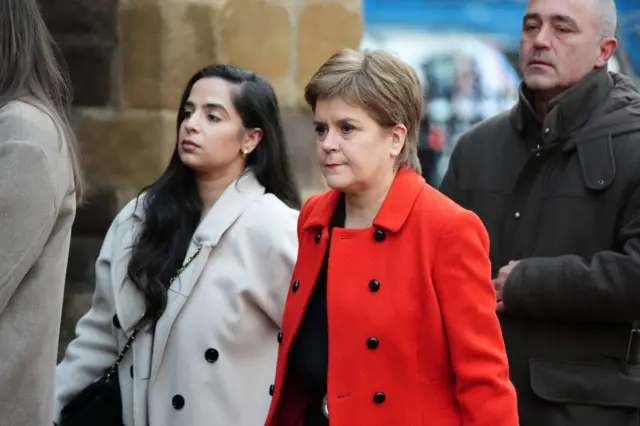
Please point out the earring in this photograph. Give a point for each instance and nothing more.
(246, 153)
(394, 152)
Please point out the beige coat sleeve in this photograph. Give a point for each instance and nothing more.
(27, 212)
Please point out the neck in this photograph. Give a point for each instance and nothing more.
(211, 187)
(363, 206)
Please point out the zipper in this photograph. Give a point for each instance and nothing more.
(546, 171)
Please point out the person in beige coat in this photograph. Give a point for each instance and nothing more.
(40, 182)
(228, 203)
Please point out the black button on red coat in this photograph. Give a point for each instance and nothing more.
(372, 343)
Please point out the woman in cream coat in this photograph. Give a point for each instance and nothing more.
(208, 349)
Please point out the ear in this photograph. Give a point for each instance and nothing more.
(251, 139)
(398, 136)
(607, 47)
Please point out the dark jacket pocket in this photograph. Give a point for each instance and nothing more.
(585, 393)
(598, 163)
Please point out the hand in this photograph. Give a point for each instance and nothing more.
(498, 283)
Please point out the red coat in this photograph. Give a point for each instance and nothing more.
(419, 281)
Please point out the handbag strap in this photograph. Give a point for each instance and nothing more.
(135, 331)
(123, 352)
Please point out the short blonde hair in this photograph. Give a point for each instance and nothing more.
(384, 85)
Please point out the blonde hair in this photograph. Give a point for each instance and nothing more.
(384, 85)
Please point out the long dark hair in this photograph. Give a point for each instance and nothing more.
(30, 67)
(172, 205)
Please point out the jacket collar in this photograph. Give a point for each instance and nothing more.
(233, 202)
(568, 112)
(394, 210)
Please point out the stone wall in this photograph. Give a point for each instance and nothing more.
(129, 61)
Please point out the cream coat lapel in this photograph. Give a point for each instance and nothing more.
(177, 296)
(232, 203)
(142, 364)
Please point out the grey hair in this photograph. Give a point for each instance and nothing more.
(608, 17)
(29, 68)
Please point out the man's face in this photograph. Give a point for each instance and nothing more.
(561, 43)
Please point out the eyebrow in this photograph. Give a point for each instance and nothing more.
(341, 121)
(562, 18)
(209, 105)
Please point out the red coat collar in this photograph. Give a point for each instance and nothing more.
(393, 213)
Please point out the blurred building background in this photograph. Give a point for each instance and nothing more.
(129, 61)
(466, 52)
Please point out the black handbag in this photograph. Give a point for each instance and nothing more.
(100, 403)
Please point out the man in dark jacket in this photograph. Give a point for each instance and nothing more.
(556, 182)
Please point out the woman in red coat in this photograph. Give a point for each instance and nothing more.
(390, 317)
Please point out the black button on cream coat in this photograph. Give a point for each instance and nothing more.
(177, 402)
(211, 355)
(116, 322)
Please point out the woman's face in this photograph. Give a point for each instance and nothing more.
(212, 139)
(354, 152)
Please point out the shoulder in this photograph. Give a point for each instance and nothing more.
(437, 206)
(498, 122)
(133, 210)
(483, 134)
(319, 201)
(272, 211)
(123, 230)
(29, 140)
(269, 219)
(445, 217)
(27, 122)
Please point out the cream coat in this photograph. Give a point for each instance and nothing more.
(230, 299)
